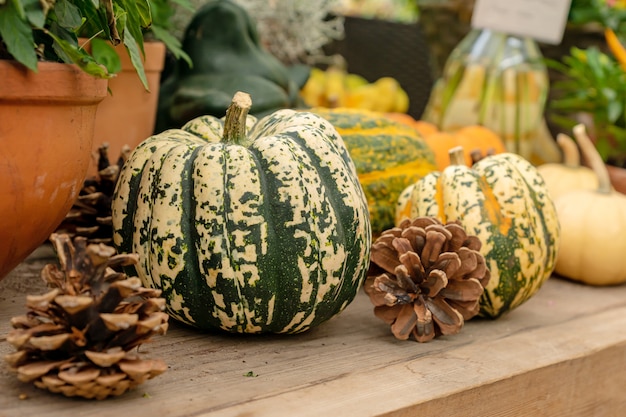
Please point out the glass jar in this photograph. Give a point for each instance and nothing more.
(496, 80)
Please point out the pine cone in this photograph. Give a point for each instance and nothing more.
(81, 338)
(426, 278)
(90, 216)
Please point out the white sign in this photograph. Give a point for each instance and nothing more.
(543, 20)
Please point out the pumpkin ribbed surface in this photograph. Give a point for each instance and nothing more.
(388, 156)
(271, 235)
(504, 201)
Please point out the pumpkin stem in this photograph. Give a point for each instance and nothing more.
(571, 155)
(591, 155)
(235, 121)
(457, 156)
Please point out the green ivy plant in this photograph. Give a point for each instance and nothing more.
(594, 84)
(34, 30)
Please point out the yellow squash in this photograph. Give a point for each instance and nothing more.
(563, 177)
(593, 226)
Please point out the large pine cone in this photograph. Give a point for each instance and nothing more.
(426, 278)
(80, 338)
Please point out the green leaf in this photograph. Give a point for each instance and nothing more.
(19, 7)
(609, 94)
(161, 12)
(614, 110)
(68, 14)
(145, 15)
(17, 35)
(65, 34)
(134, 18)
(135, 57)
(81, 58)
(105, 54)
(595, 64)
(34, 13)
(95, 19)
(172, 43)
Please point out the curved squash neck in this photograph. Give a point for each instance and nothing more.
(588, 149)
(571, 155)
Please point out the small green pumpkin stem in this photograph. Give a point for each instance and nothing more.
(591, 155)
(235, 121)
(456, 156)
(571, 155)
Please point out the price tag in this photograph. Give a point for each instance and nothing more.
(543, 20)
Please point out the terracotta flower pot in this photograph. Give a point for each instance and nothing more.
(127, 116)
(46, 130)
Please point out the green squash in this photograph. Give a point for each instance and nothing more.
(503, 200)
(264, 231)
(227, 55)
(388, 155)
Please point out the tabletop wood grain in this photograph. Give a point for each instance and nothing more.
(562, 353)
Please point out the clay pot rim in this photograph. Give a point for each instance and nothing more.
(71, 84)
(153, 59)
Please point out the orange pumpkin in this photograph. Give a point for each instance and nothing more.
(425, 128)
(474, 138)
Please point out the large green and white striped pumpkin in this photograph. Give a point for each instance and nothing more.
(269, 233)
(504, 201)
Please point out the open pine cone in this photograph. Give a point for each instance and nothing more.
(426, 278)
(90, 216)
(81, 338)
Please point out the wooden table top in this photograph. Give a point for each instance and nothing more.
(562, 353)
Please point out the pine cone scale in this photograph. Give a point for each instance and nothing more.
(388, 314)
(106, 358)
(425, 328)
(413, 263)
(436, 281)
(405, 322)
(465, 290)
(76, 376)
(49, 342)
(385, 258)
(41, 302)
(450, 321)
(31, 371)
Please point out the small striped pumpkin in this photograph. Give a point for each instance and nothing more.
(389, 156)
(265, 233)
(503, 200)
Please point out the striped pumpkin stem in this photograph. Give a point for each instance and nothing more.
(235, 121)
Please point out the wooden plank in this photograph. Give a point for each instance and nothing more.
(560, 354)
